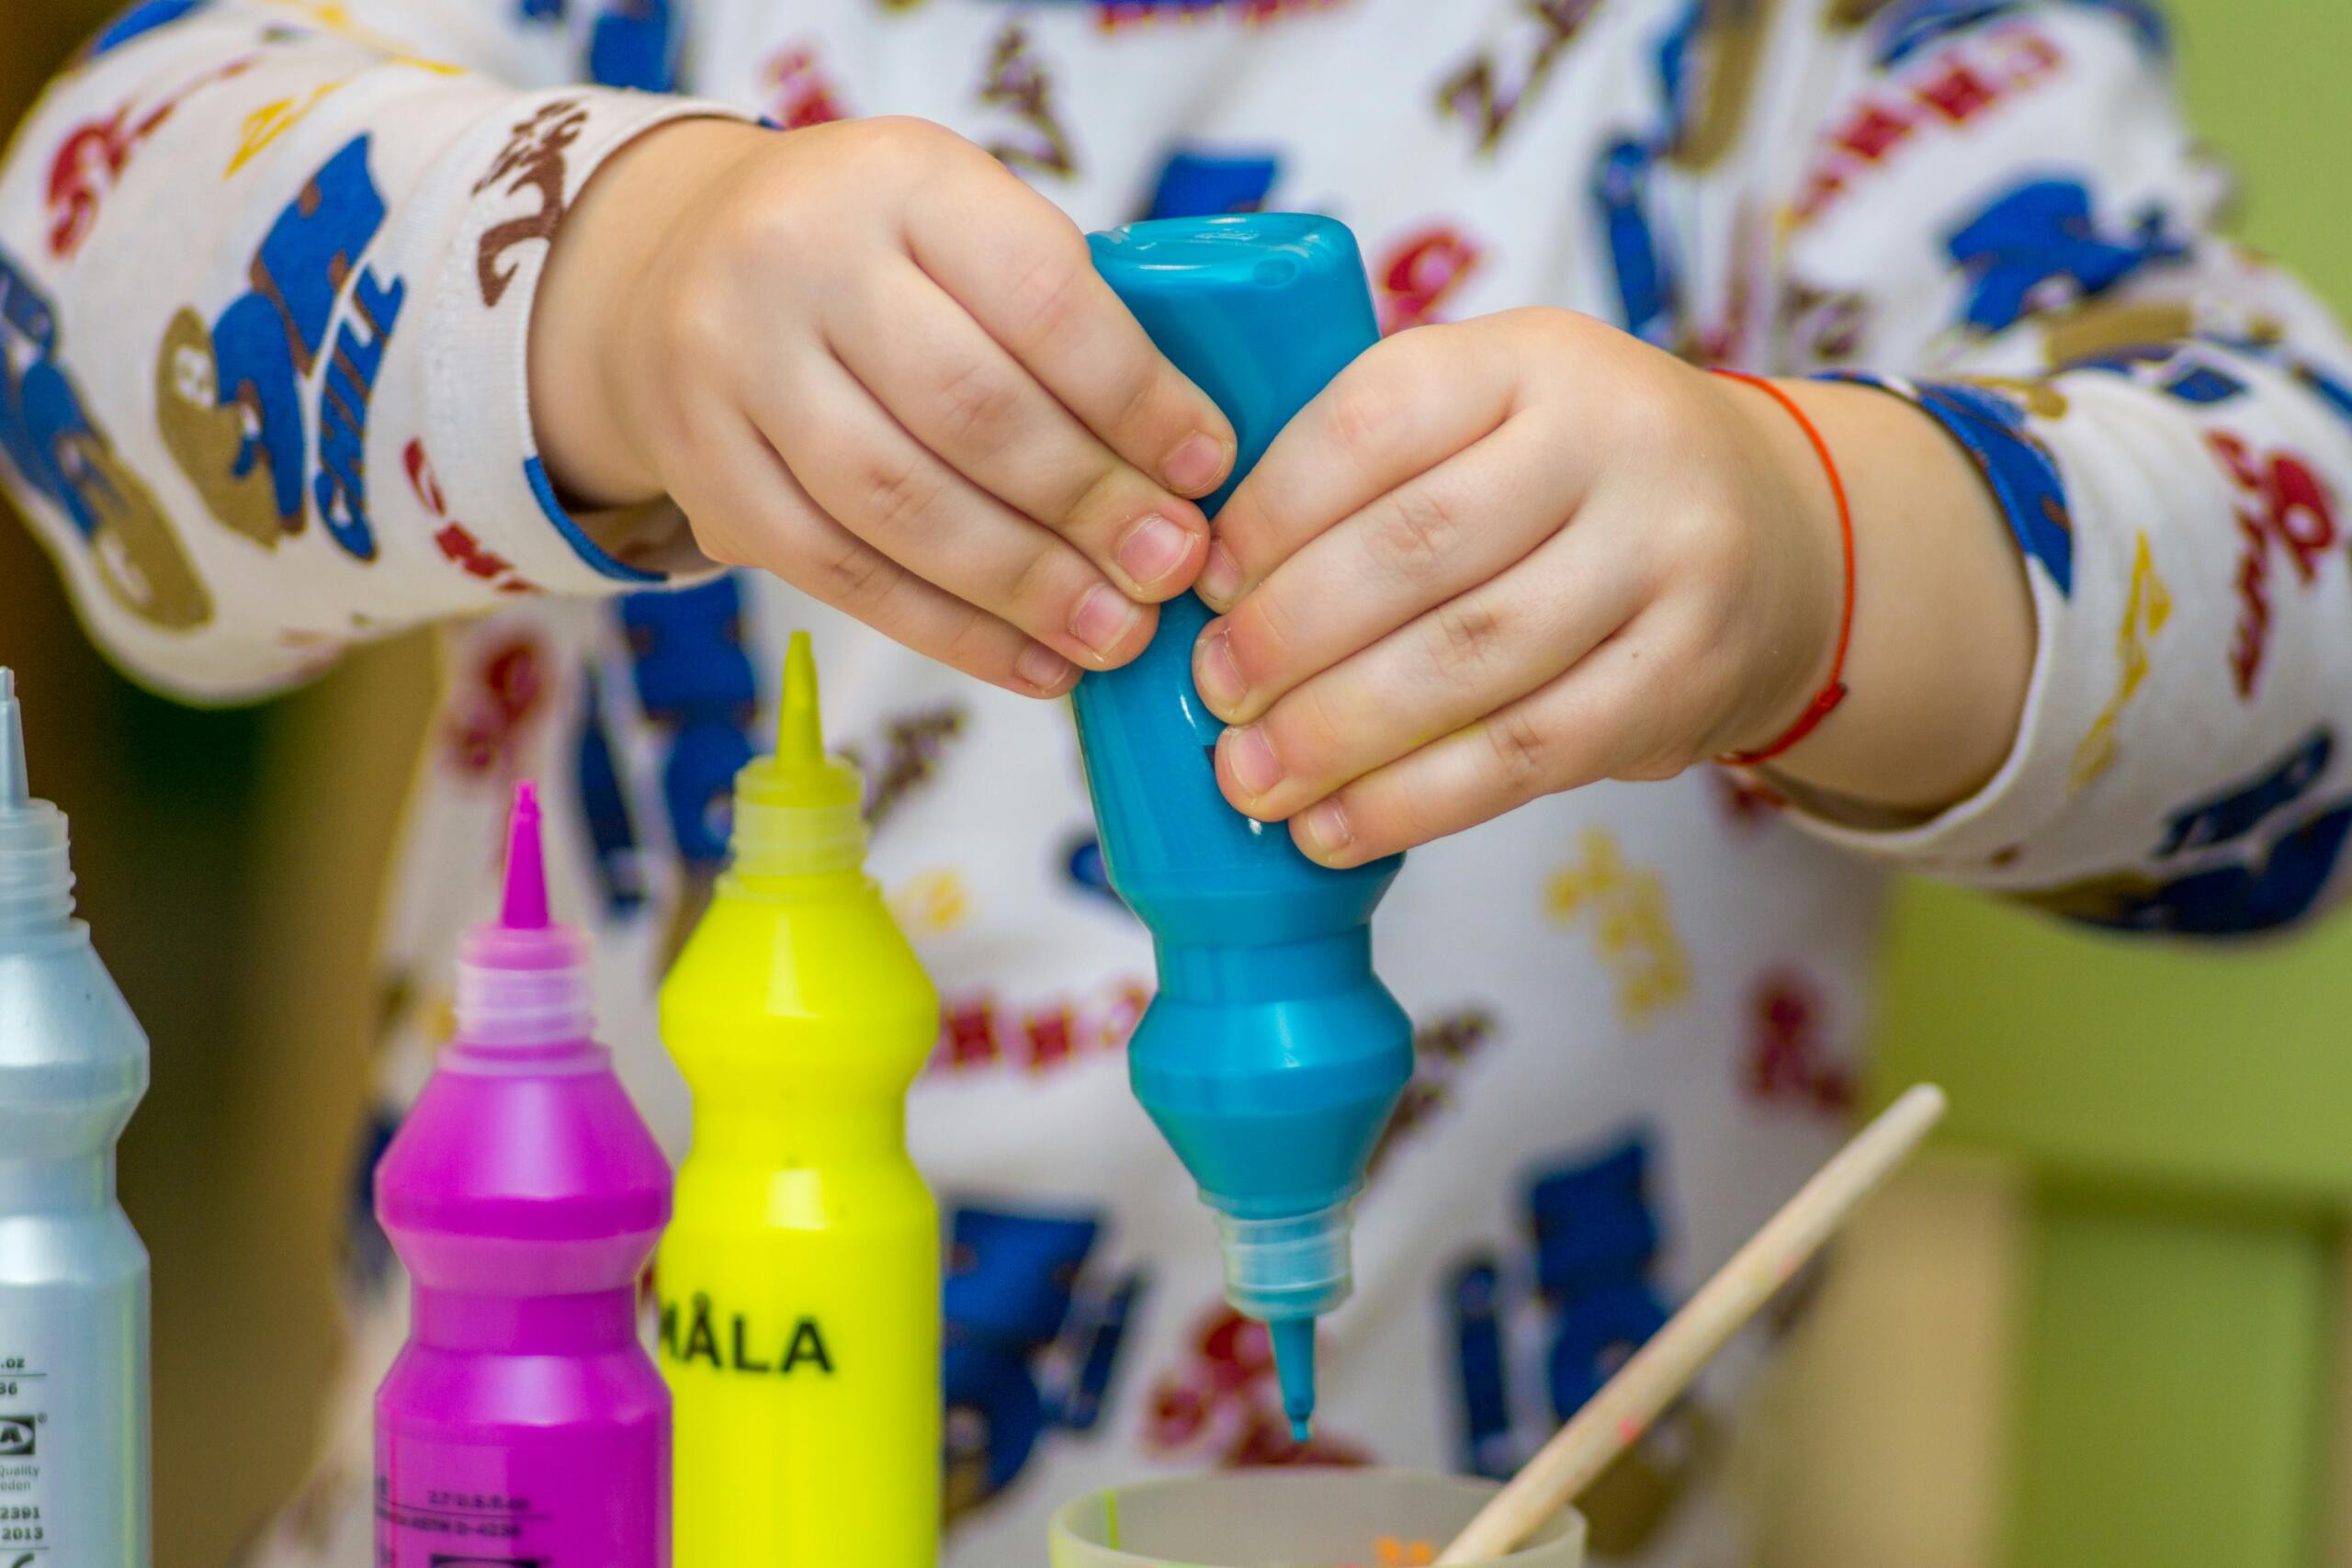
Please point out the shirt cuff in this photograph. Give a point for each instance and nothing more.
(517, 174)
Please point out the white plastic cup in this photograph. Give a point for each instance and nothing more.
(1287, 1519)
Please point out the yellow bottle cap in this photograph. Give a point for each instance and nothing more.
(800, 812)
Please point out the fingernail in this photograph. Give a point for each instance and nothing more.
(1196, 464)
(1041, 666)
(1325, 829)
(1103, 617)
(1252, 756)
(1220, 575)
(1219, 677)
(1153, 548)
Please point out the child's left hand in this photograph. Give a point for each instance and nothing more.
(1503, 558)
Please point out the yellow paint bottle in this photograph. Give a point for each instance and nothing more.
(799, 1279)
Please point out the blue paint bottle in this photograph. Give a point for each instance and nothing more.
(1272, 1057)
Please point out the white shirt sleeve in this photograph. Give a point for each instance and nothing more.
(266, 274)
(2166, 423)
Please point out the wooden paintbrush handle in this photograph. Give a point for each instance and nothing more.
(1615, 1418)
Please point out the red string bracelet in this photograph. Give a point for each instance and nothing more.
(1834, 691)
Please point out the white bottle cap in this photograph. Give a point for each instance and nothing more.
(36, 866)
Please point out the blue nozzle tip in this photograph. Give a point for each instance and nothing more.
(1293, 1340)
(1300, 1430)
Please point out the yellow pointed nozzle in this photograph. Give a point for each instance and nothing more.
(799, 812)
(801, 727)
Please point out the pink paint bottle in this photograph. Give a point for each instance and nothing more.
(524, 1423)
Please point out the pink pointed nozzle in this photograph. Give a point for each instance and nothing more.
(525, 907)
(523, 979)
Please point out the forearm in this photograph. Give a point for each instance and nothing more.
(263, 273)
(1943, 630)
(2133, 718)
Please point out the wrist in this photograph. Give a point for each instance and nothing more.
(585, 384)
(1799, 495)
(1942, 643)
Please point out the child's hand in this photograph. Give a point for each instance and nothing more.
(868, 359)
(1504, 559)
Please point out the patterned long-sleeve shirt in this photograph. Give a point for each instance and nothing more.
(266, 273)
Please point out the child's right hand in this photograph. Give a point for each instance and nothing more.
(868, 358)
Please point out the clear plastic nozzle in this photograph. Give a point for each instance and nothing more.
(1287, 1272)
(36, 862)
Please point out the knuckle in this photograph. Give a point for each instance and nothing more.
(897, 494)
(1712, 534)
(1674, 536)
(1548, 325)
(691, 334)
(1466, 638)
(752, 233)
(1521, 753)
(1366, 419)
(736, 219)
(852, 575)
(769, 212)
(977, 403)
(1649, 413)
(1419, 528)
(1406, 351)
(905, 140)
(1426, 353)
(1044, 297)
(897, 130)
